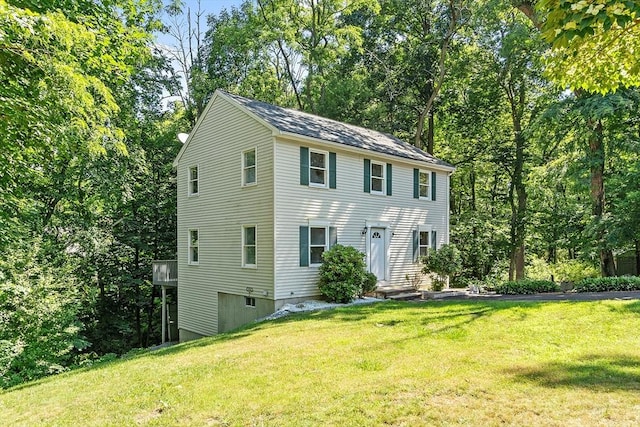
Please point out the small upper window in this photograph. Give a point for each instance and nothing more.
(249, 246)
(318, 244)
(193, 247)
(193, 180)
(425, 185)
(377, 177)
(318, 161)
(249, 167)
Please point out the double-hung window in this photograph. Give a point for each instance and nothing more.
(424, 240)
(377, 177)
(193, 180)
(193, 246)
(318, 244)
(318, 166)
(315, 239)
(424, 243)
(249, 167)
(249, 246)
(424, 185)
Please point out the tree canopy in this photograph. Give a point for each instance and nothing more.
(595, 43)
(546, 181)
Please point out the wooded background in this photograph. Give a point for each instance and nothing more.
(535, 102)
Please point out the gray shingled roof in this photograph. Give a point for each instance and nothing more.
(300, 123)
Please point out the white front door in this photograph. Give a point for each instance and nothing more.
(378, 256)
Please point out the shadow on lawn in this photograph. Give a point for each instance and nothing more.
(633, 307)
(600, 372)
(452, 314)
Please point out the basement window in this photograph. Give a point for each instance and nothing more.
(249, 301)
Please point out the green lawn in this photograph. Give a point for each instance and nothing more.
(439, 363)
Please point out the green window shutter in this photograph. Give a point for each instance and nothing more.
(367, 176)
(333, 236)
(416, 183)
(304, 246)
(332, 170)
(389, 179)
(433, 185)
(304, 166)
(416, 249)
(434, 240)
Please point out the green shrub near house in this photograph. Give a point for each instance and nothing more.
(441, 264)
(343, 275)
(607, 284)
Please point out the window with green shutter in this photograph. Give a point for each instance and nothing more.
(314, 241)
(424, 185)
(318, 168)
(377, 177)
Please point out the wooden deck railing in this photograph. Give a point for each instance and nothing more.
(165, 272)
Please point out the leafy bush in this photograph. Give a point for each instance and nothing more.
(369, 284)
(538, 269)
(526, 286)
(605, 284)
(571, 270)
(574, 270)
(442, 263)
(343, 274)
(39, 327)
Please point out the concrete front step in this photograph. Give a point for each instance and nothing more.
(405, 296)
(409, 293)
(388, 292)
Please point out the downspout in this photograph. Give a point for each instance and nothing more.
(448, 209)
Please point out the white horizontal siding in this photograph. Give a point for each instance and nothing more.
(348, 208)
(219, 211)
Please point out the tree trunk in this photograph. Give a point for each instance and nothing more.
(518, 192)
(136, 277)
(150, 312)
(430, 127)
(637, 244)
(597, 160)
(437, 84)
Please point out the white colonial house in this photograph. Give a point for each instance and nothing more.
(263, 191)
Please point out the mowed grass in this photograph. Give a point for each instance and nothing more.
(439, 363)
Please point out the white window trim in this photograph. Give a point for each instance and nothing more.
(189, 258)
(189, 180)
(425, 228)
(243, 167)
(326, 168)
(428, 173)
(244, 263)
(384, 178)
(326, 241)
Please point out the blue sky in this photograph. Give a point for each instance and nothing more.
(206, 6)
(212, 6)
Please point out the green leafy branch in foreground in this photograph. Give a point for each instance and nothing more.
(595, 43)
